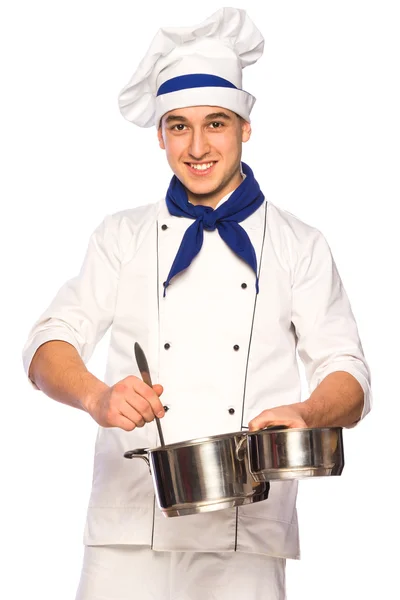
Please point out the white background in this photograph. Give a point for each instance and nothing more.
(325, 146)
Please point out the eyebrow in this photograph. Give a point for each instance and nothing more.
(172, 118)
(218, 115)
(180, 119)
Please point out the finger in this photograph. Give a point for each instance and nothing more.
(149, 394)
(158, 389)
(263, 420)
(268, 421)
(123, 423)
(140, 396)
(126, 410)
(255, 425)
(123, 401)
(139, 405)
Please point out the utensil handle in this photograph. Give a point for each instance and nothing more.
(145, 373)
(160, 433)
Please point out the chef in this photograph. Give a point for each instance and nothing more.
(220, 287)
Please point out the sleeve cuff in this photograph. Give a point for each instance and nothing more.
(39, 340)
(362, 380)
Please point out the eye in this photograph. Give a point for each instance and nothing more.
(178, 127)
(216, 125)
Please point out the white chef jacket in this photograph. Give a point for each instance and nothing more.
(215, 345)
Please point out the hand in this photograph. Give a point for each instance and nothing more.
(128, 404)
(281, 415)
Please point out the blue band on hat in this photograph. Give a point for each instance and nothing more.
(185, 82)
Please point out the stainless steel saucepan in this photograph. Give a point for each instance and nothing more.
(282, 453)
(233, 469)
(202, 475)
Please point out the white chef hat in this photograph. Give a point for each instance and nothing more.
(194, 66)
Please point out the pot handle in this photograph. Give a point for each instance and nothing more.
(241, 448)
(139, 453)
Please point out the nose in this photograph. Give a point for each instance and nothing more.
(199, 146)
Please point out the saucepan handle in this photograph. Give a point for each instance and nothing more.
(241, 448)
(139, 453)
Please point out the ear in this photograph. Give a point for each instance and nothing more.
(160, 138)
(246, 131)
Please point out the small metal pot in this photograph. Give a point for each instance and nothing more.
(282, 453)
(202, 475)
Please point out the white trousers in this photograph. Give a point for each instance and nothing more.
(139, 573)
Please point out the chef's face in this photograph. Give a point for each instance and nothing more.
(204, 149)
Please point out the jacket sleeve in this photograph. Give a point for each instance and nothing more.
(83, 308)
(327, 335)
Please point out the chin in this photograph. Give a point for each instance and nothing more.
(201, 190)
(202, 185)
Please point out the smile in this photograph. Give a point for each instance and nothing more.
(201, 168)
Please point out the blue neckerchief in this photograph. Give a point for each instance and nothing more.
(242, 203)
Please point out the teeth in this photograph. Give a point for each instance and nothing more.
(201, 167)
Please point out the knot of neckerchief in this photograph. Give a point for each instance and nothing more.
(245, 200)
